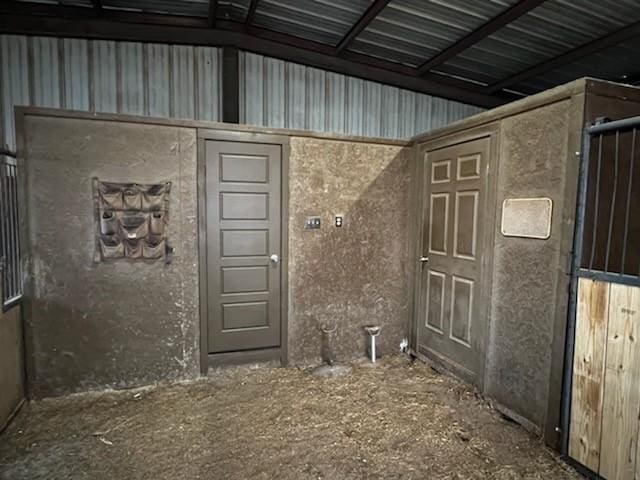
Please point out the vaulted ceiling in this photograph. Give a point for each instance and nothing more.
(483, 52)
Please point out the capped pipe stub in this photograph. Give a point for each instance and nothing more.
(328, 328)
(373, 330)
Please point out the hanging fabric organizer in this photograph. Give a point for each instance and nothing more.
(132, 221)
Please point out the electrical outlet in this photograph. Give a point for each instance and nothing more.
(312, 222)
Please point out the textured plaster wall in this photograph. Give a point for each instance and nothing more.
(527, 274)
(357, 274)
(11, 363)
(95, 325)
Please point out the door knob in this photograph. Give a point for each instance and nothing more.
(275, 258)
(423, 259)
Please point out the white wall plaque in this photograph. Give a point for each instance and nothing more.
(527, 217)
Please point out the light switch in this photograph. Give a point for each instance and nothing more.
(338, 221)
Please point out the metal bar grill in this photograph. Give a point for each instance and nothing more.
(606, 244)
(11, 281)
(609, 233)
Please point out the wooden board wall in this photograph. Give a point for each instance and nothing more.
(606, 380)
(588, 372)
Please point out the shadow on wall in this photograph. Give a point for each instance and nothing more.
(354, 275)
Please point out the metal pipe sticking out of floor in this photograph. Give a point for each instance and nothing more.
(373, 331)
(330, 367)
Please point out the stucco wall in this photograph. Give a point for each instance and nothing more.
(528, 274)
(95, 325)
(354, 275)
(11, 363)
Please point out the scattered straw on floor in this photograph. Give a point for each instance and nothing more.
(395, 421)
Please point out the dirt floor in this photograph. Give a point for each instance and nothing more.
(396, 420)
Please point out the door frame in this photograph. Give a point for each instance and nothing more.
(262, 355)
(491, 131)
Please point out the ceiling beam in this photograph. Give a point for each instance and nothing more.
(496, 23)
(295, 50)
(45, 10)
(251, 12)
(633, 79)
(213, 12)
(372, 12)
(571, 56)
(97, 6)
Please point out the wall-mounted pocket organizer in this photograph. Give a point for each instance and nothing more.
(132, 221)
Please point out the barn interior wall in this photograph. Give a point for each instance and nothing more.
(120, 324)
(530, 274)
(354, 275)
(96, 325)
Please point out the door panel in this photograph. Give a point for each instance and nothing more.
(243, 190)
(450, 326)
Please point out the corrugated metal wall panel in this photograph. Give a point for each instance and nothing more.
(76, 74)
(422, 122)
(275, 93)
(106, 76)
(46, 72)
(208, 86)
(355, 106)
(185, 82)
(159, 80)
(296, 88)
(335, 102)
(15, 82)
(254, 91)
(373, 103)
(390, 106)
(183, 89)
(131, 92)
(316, 86)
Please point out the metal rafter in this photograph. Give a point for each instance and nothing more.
(213, 12)
(571, 56)
(368, 16)
(135, 26)
(492, 26)
(251, 12)
(97, 6)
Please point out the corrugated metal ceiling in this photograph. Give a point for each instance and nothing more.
(195, 8)
(324, 21)
(617, 63)
(547, 31)
(410, 32)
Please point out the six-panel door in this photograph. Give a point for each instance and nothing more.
(243, 182)
(450, 327)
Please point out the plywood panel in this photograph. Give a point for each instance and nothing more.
(621, 392)
(588, 372)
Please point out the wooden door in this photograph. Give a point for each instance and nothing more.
(451, 328)
(243, 204)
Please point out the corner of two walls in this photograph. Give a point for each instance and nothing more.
(118, 325)
(353, 275)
